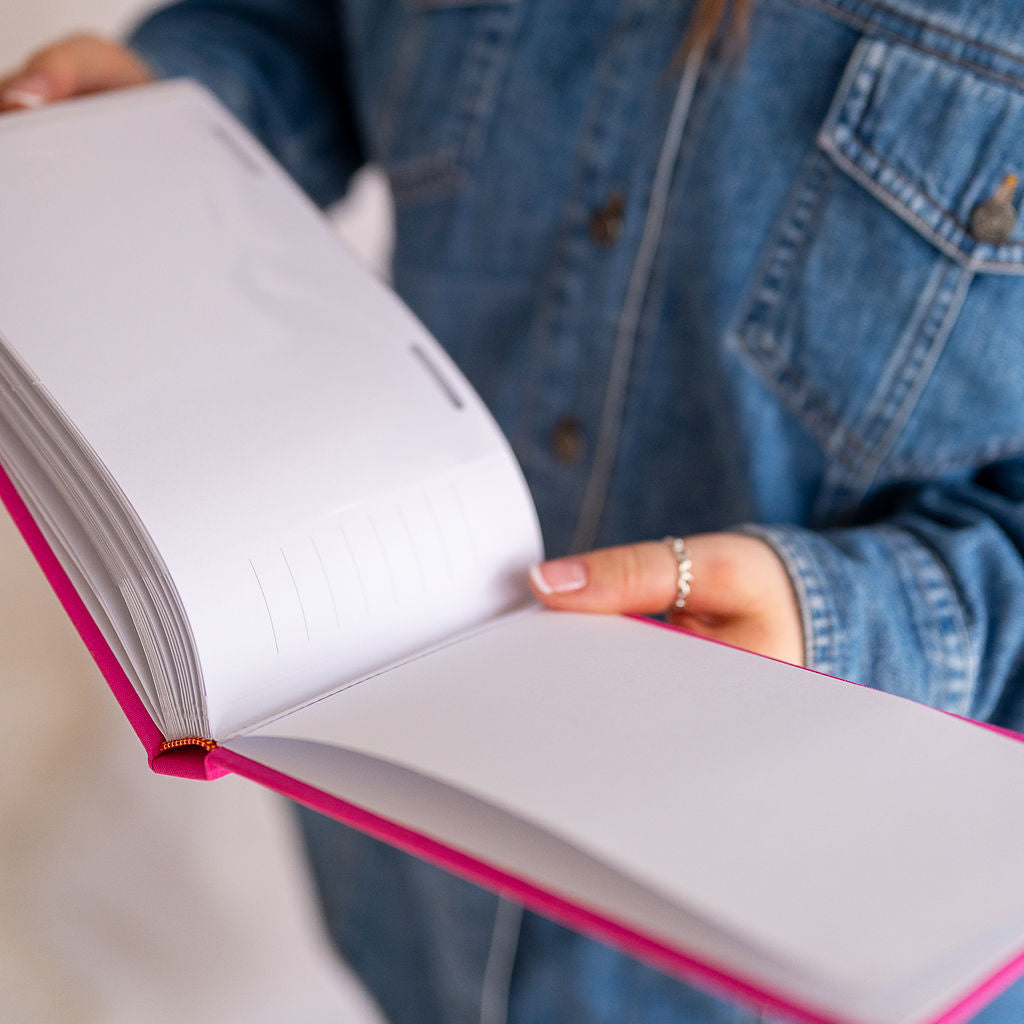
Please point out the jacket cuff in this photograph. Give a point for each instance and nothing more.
(880, 608)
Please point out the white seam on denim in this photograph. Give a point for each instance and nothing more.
(827, 643)
(922, 375)
(933, 596)
(798, 216)
(892, 187)
(904, 378)
(508, 917)
(854, 442)
(625, 335)
(948, 49)
(948, 461)
(878, 407)
(490, 49)
(808, 597)
(1011, 267)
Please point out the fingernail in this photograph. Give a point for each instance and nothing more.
(559, 577)
(30, 91)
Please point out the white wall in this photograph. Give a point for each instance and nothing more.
(126, 896)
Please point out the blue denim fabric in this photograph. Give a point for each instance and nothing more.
(791, 328)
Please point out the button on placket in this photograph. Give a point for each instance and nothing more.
(573, 340)
(568, 441)
(606, 220)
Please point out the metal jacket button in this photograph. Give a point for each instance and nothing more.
(606, 220)
(992, 220)
(568, 442)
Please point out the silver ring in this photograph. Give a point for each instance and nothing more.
(684, 567)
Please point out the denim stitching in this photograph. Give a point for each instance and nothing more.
(947, 462)
(884, 402)
(486, 62)
(758, 335)
(938, 618)
(910, 30)
(859, 453)
(483, 62)
(843, 485)
(876, 7)
(912, 203)
(920, 364)
(570, 255)
(914, 196)
(426, 177)
(792, 237)
(897, 401)
(904, 198)
(823, 639)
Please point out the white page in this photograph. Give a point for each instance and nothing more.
(503, 840)
(78, 559)
(254, 393)
(861, 838)
(96, 538)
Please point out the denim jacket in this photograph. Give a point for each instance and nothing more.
(749, 287)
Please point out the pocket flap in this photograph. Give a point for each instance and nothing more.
(931, 139)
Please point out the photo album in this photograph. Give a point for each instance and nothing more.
(296, 544)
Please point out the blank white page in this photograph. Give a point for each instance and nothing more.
(308, 464)
(861, 838)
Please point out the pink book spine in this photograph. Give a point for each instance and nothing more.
(195, 762)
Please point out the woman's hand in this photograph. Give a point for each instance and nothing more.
(70, 67)
(741, 593)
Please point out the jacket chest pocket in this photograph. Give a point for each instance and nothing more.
(888, 313)
(432, 109)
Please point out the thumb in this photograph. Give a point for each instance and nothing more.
(741, 594)
(637, 579)
(642, 579)
(70, 67)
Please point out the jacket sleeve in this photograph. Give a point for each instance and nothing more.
(927, 603)
(278, 66)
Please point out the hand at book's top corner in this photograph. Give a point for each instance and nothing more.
(72, 66)
(741, 592)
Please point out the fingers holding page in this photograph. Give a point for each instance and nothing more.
(73, 66)
(741, 592)
(631, 579)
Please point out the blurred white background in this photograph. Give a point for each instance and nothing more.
(126, 896)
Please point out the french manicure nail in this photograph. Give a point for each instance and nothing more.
(30, 91)
(559, 577)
